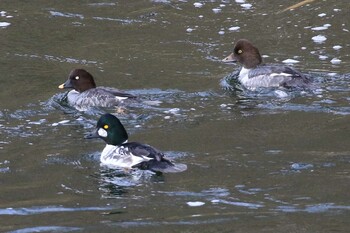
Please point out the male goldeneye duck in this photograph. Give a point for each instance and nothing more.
(255, 75)
(85, 94)
(127, 155)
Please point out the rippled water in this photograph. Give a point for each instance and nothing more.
(269, 160)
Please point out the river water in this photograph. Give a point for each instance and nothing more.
(257, 162)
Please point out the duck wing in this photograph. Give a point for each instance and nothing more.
(144, 150)
(274, 70)
(117, 92)
(298, 79)
(157, 162)
(285, 75)
(97, 97)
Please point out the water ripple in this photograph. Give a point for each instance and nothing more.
(47, 209)
(46, 229)
(66, 15)
(315, 208)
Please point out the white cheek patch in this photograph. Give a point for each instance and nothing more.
(102, 132)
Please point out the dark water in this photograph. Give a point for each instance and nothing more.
(257, 162)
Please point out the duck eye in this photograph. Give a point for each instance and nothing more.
(76, 77)
(105, 126)
(239, 51)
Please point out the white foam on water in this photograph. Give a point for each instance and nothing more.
(322, 57)
(234, 28)
(321, 28)
(246, 6)
(4, 24)
(195, 203)
(335, 61)
(216, 10)
(290, 61)
(319, 39)
(198, 4)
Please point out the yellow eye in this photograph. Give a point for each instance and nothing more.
(76, 77)
(105, 126)
(239, 51)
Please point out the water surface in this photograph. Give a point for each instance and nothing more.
(256, 161)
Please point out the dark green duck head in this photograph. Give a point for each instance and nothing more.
(110, 129)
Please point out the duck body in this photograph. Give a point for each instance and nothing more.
(96, 97)
(85, 94)
(271, 76)
(254, 74)
(136, 155)
(128, 155)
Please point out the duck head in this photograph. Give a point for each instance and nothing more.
(80, 80)
(245, 53)
(110, 129)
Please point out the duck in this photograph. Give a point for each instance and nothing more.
(86, 94)
(119, 153)
(253, 74)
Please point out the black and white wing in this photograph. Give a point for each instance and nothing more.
(117, 93)
(157, 162)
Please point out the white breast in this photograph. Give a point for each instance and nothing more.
(72, 96)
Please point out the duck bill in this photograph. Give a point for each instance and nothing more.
(67, 84)
(91, 135)
(229, 59)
